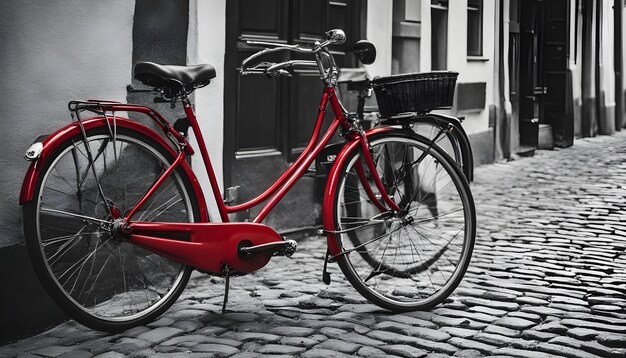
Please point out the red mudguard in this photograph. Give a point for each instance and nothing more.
(55, 139)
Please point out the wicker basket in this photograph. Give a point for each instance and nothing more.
(414, 92)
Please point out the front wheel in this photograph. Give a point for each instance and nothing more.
(414, 259)
(99, 279)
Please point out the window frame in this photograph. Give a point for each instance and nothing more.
(475, 33)
(439, 43)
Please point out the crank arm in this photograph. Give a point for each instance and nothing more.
(279, 248)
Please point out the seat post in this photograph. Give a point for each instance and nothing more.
(191, 116)
(193, 120)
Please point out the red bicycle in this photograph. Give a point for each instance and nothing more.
(115, 219)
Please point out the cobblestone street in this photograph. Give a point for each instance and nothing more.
(548, 278)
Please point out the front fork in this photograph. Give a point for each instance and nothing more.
(369, 162)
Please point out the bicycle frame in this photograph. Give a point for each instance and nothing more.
(116, 221)
(214, 246)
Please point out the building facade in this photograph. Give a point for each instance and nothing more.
(561, 73)
(531, 76)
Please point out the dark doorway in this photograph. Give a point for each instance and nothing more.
(538, 63)
(555, 73)
(531, 88)
(268, 121)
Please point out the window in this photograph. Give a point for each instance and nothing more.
(405, 45)
(474, 27)
(439, 31)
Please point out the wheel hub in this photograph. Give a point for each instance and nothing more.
(120, 230)
(407, 220)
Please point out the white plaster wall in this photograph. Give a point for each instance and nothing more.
(575, 64)
(379, 32)
(473, 71)
(575, 57)
(469, 71)
(206, 44)
(426, 40)
(608, 39)
(50, 53)
(505, 43)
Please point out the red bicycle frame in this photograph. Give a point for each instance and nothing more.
(286, 181)
(214, 246)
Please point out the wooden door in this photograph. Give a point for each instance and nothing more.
(268, 121)
(555, 73)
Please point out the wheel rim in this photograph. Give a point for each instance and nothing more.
(96, 272)
(412, 260)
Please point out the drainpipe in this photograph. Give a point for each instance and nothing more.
(618, 8)
(503, 121)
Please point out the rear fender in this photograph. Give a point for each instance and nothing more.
(52, 141)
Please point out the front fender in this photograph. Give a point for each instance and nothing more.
(51, 143)
(332, 185)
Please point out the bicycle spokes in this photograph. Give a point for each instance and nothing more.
(407, 257)
(89, 186)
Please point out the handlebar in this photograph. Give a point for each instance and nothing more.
(286, 68)
(283, 68)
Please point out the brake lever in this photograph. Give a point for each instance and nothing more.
(259, 68)
(286, 73)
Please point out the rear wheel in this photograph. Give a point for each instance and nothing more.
(99, 279)
(412, 260)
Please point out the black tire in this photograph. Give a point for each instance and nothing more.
(132, 286)
(403, 282)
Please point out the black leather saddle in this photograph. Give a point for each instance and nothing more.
(172, 77)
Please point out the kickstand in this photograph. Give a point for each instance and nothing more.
(325, 274)
(226, 272)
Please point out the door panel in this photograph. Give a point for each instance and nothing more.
(304, 110)
(258, 103)
(311, 22)
(257, 111)
(262, 19)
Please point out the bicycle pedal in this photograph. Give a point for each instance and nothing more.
(290, 248)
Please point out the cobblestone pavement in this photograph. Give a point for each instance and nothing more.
(548, 278)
